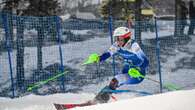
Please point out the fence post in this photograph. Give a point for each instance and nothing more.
(59, 35)
(7, 35)
(110, 21)
(158, 54)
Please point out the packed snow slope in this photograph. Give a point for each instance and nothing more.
(178, 100)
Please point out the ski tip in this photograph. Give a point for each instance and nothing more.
(58, 106)
(65, 106)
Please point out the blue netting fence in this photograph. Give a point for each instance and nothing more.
(34, 50)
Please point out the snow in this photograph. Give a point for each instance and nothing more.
(75, 3)
(85, 15)
(33, 102)
(183, 77)
(65, 17)
(179, 100)
(168, 101)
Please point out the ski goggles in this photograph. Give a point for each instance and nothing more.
(127, 35)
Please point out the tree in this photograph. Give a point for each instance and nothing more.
(41, 8)
(180, 17)
(176, 17)
(121, 9)
(35, 8)
(20, 53)
(138, 4)
(10, 7)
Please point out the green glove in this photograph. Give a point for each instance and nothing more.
(93, 58)
(134, 73)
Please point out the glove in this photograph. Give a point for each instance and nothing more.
(113, 49)
(93, 58)
(134, 73)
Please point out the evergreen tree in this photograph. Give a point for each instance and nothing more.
(42, 8)
(138, 21)
(121, 9)
(12, 6)
(180, 17)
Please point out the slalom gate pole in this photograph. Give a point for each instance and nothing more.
(110, 21)
(38, 84)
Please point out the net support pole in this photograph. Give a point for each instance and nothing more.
(158, 55)
(7, 36)
(59, 35)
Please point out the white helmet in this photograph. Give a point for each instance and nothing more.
(123, 32)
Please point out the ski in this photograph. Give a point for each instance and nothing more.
(65, 106)
(69, 106)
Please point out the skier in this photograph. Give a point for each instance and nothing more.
(134, 69)
(134, 58)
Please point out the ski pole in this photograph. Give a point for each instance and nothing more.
(134, 73)
(169, 86)
(123, 91)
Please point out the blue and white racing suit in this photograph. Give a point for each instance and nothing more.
(133, 57)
